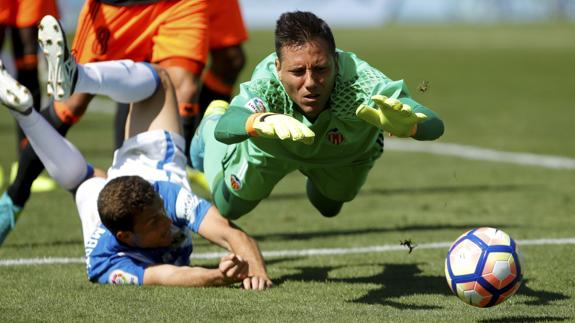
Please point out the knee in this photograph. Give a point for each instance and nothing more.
(327, 206)
(231, 206)
(331, 210)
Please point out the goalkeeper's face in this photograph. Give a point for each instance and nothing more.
(307, 73)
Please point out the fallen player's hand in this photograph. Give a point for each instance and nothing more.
(391, 115)
(281, 126)
(256, 283)
(233, 267)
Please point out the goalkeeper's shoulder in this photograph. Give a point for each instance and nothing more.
(431, 128)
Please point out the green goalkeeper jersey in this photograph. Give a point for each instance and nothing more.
(340, 137)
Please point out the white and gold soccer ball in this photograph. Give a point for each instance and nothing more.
(482, 267)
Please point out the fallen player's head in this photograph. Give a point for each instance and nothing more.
(132, 210)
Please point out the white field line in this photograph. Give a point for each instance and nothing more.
(289, 253)
(477, 153)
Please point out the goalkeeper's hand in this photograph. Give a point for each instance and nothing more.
(391, 115)
(281, 126)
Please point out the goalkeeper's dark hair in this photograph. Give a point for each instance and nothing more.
(297, 28)
(122, 199)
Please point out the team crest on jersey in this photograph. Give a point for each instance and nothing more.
(334, 136)
(119, 277)
(235, 182)
(256, 105)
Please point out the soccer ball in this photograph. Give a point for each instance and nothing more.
(482, 267)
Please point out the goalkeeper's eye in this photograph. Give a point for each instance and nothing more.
(298, 71)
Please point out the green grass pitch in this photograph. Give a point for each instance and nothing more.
(505, 88)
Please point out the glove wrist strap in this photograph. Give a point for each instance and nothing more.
(251, 131)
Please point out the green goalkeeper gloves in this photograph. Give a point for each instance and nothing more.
(391, 115)
(281, 126)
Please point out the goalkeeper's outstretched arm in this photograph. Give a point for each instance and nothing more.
(231, 127)
(403, 117)
(429, 129)
(238, 124)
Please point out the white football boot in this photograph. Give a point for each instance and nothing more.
(62, 74)
(14, 95)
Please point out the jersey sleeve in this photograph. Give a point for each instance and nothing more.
(231, 127)
(123, 271)
(183, 207)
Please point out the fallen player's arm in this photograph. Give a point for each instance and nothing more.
(221, 231)
(231, 269)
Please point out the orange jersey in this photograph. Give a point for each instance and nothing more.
(226, 25)
(153, 33)
(26, 13)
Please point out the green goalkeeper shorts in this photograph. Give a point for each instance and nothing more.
(252, 175)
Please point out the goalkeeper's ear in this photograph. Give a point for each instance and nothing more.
(278, 65)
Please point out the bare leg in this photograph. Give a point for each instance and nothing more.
(159, 112)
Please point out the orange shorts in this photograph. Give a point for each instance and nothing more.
(159, 32)
(226, 24)
(26, 13)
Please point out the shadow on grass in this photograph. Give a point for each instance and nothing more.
(539, 297)
(408, 228)
(411, 191)
(400, 280)
(526, 319)
(395, 281)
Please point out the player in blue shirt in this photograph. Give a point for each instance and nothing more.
(136, 221)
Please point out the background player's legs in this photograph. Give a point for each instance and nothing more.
(218, 81)
(186, 83)
(3, 29)
(226, 33)
(25, 49)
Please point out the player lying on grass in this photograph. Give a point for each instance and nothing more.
(135, 223)
(307, 107)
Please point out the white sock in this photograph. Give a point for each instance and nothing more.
(123, 81)
(62, 160)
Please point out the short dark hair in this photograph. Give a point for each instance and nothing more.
(299, 27)
(122, 199)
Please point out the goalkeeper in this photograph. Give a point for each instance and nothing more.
(307, 107)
